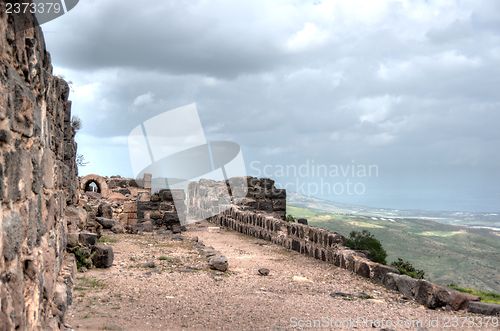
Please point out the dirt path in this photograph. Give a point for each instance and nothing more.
(158, 283)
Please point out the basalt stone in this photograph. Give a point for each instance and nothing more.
(102, 256)
(145, 226)
(390, 281)
(37, 175)
(176, 228)
(105, 210)
(72, 239)
(406, 285)
(265, 205)
(361, 268)
(5, 137)
(263, 271)
(155, 215)
(170, 218)
(218, 263)
(279, 204)
(456, 300)
(106, 223)
(13, 175)
(13, 233)
(379, 271)
(484, 308)
(87, 238)
(302, 221)
(296, 245)
(118, 228)
(428, 295)
(278, 193)
(124, 191)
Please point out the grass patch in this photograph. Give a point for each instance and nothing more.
(442, 234)
(89, 283)
(166, 258)
(489, 297)
(362, 224)
(107, 240)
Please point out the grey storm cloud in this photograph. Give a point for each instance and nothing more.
(411, 86)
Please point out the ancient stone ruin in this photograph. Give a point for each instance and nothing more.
(38, 181)
(51, 220)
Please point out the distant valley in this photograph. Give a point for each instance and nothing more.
(452, 247)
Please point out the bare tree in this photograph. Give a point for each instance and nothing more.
(80, 160)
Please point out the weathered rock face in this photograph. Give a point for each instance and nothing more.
(37, 180)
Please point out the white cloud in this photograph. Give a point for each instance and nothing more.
(308, 37)
(143, 100)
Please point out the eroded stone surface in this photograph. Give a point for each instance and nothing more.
(38, 180)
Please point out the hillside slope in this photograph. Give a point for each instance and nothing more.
(448, 253)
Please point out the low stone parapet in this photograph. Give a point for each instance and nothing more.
(328, 246)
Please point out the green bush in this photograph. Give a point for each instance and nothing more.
(365, 241)
(406, 268)
(290, 218)
(83, 257)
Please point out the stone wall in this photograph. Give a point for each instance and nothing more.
(37, 180)
(209, 197)
(129, 203)
(328, 246)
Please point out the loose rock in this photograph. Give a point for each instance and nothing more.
(218, 263)
(264, 271)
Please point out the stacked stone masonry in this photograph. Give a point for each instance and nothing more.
(38, 180)
(209, 197)
(328, 246)
(130, 203)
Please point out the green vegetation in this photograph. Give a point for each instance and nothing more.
(468, 257)
(88, 283)
(365, 241)
(490, 297)
(107, 239)
(290, 219)
(83, 257)
(165, 258)
(406, 268)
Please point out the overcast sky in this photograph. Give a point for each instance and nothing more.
(412, 87)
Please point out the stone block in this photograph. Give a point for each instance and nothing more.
(456, 300)
(130, 207)
(106, 223)
(105, 210)
(72, 239)
(102, 256)
(219, 263)
(390, 281)
(87, 238)
(484, 308)
(361, 267)
(12, 235)
(279, 204)
(406, 285)
(379, 271)
(302, 221)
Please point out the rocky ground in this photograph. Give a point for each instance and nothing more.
(163, 281)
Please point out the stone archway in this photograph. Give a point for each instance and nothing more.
(94, 183)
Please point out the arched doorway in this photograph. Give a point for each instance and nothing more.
(94, 183)
(92, 186)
